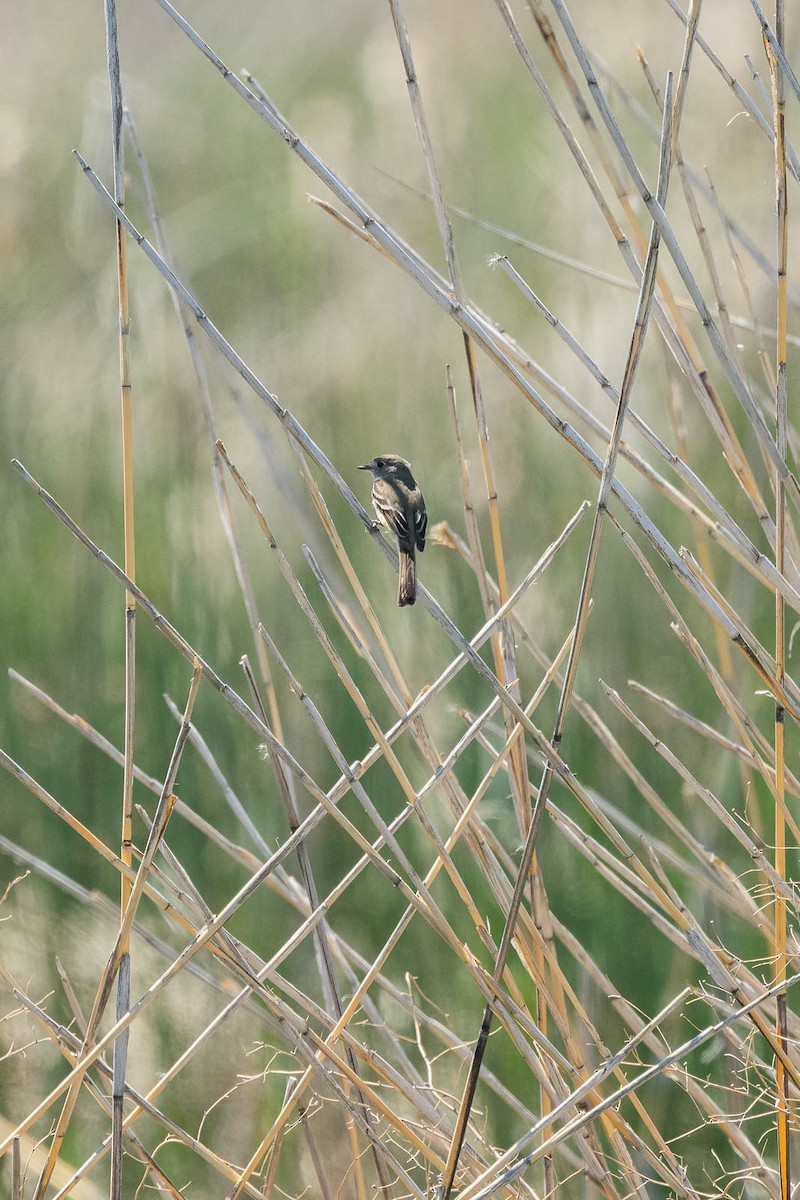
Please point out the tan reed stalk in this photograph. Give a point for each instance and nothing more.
(676, 411)
(773, 40)
(711, 734)
(621, 189)
(123, 981)
(513, 740)
(750, 734)
(706, 952)
(171, 1127)
(696, 1087)
(191, 896)
(170, 908)
(732, 707)
(272, 1168)
(739, 92)
(470, 517)
(16, 1171)
(78, 1015)
(773, 49)
(702, 792)
(586, 844)
(170, 973)
(145, 1104)
(715, 878)
(142, 1104)
(693, 207)
(720, 528)
(699, 182)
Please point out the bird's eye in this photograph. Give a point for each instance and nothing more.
(380, 464)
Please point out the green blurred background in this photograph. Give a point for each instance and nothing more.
(356, 352)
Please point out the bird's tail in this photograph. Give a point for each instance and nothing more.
(407, 583)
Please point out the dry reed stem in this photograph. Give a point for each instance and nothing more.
(279, 1124)
(744, 99)
(773, 46)
(730, 704)
(126, 394)
(142, 1104)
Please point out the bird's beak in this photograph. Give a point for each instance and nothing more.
(365, 467)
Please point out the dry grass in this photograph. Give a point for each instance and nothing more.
(388, 1002)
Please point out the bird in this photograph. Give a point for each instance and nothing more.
(400, 507)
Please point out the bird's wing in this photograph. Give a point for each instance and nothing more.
(420, 525)
(390, 509)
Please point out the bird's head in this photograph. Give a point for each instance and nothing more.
(386, 466)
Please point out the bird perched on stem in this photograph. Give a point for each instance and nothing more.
(400, 507)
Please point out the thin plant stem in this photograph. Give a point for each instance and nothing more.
(773, 47)
(123, 979)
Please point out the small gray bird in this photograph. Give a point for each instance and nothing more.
(399, 506)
